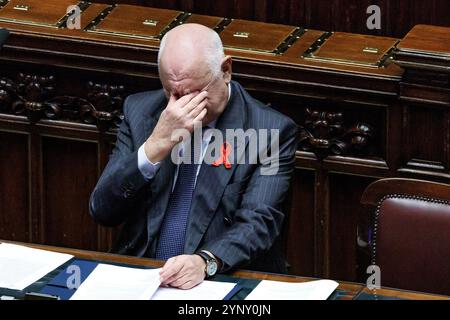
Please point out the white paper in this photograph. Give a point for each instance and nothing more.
(108, 282)
(22, 266)
(207, 290)
(275, 290)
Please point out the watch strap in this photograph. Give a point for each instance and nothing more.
(208, 259)
(204, 256)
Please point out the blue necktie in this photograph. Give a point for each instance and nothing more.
(173, 229)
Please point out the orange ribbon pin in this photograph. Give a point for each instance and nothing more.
(224, 154)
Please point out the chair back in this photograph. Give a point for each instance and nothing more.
(411, 234)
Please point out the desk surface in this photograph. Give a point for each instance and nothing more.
(347, 291)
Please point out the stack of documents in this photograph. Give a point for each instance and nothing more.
(108, 282)
(21, 266)
(274, 290)
(207, 290)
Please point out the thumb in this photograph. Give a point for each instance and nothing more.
(172, 99)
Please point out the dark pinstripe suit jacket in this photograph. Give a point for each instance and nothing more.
(236, 214)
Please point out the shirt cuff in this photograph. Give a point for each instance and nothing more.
(146, 167)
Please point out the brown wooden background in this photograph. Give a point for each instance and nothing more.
(398, 16)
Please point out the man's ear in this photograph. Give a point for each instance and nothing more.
(227, 64)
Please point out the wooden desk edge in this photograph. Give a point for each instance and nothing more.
(354, 289)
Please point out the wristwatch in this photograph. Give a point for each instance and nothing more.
(211, 263)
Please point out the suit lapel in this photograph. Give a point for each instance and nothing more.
(150, 118)
(211, 181)
(161, 190)
(163, 180)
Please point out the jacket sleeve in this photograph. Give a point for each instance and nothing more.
(121, 183)
(258, 222)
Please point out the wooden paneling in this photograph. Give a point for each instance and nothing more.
(425, 97)
(403, 15)
(14, 187)
(345, 209)
(300, 248)
(398, 16)
(426, 125)
(70, 174)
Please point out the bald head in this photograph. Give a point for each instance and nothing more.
(191, 60)
(191, 46)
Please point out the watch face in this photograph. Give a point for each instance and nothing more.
(211, 268)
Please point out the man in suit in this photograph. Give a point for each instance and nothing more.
(202, 218)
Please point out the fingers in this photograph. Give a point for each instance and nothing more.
(170, 269)
(195, 101)
(183, 272)
(184, 100)
(201, 116)
(177, 283)
(188, 285)
(188, 106)
(172, 99)
(185, 281)
(174, 277)
(198, 109)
